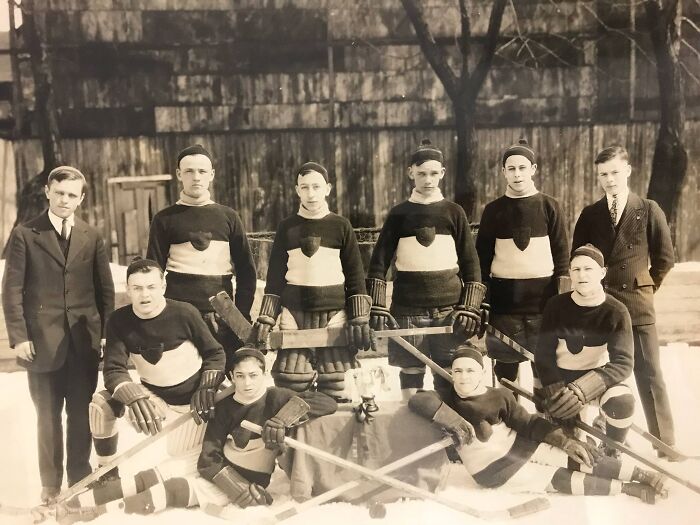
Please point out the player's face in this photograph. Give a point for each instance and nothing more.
(312, 189)
(249, 380)
(467, 375)
(519, 172)
(586, 275)
(147, 293)
(196, 173)
(613, 175)
(64, 197)
(426, 177)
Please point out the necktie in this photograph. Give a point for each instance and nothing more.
(613, 211)
(64, 236)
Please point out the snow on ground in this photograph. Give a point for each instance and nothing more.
(20, 486)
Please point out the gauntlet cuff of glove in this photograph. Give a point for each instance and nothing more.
(270, 309)
(358, 306)
(588, 386)
(128, 392)
(211, 379)
(549, 391)
(447, 417)
(230, 482)
(376, 288)
(292, 411)
(473, 294)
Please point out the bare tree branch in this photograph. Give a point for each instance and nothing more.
(482, 68)
(464, 39)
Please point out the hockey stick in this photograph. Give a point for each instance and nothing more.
(490, 329)
(609, 442)
(528, 507)
(138, 447)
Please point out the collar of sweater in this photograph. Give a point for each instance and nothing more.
(320, 214)
(420, 199)
(592, 300)
(528, 192)
(191, 201)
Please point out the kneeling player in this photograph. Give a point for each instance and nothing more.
(585, 349)
(234, 465)
(520, 451)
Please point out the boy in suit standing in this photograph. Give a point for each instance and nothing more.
(636, 242)
(57, 292)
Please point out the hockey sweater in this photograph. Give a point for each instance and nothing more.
(522, 245)
(315, 264)
(576, 339)
(201, 247)
(169, 351)
(434, 253)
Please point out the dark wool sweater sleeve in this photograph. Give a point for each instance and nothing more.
(277, 264)
(546, 353)
(467, 257)
(486, 242)
(352, 263)
(158, 247)
(528, 425)
(558, 238)
(115, 366)
(385, 248)
(620, 349)
(213, 356)
(244, 266)
(211, 459)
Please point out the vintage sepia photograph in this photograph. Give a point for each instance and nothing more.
(358, 262)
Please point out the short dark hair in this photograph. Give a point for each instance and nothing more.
(610, 153)
(62, 173)
(141, 265)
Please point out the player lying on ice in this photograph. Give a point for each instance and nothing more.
(234, 466)
(502, 445)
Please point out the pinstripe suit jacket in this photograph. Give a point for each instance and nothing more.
(638, 253)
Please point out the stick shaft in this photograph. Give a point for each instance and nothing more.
(138, 447)
(423, 358)
(510, 342)
(610, 442)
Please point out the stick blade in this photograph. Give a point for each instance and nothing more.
(529, 507)
(232, 316)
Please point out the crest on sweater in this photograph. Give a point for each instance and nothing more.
(575, 342)
(200, 240)
(521, 237)
(425, 235)
(309, 245)
(152, 354)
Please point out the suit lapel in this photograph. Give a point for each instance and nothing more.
(630, 220)
(78, 238)
(605, 225)
(47, 239)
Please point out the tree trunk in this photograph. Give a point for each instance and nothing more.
(670, 163)
(464, 178)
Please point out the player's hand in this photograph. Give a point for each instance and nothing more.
(260, 333)
(25, 351)
(381, 319)
(583, 453)
(358, 334)
(101, 350)
(465, 322)
(146, 417)
(565, 404)
(202, 405)
(273, 432)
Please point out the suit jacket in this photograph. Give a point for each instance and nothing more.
(51, 299)
(638, 253)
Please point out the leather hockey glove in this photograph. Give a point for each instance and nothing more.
(267, 318)
(143, 414)
(380, 317)
(466, 317)
(560, 402)
(274, 429)
(584, 453)
(430, 406)
(239, 490)
(358, 308)
(202, 402)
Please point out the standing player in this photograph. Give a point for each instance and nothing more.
(519, 451)
(437, 279)
(201, 244)
(584, 353)
(524, 254)
(179, 363)
(633, 235)
(315, 279)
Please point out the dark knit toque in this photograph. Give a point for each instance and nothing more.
(426, 151)
(248, 351)
(521, 148)
(139, 264)
(196, 149)
(470, 352)
(589, 251)
(312, 166)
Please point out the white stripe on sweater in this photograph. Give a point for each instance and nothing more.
(509, 262)
(588, 358)
(174, 367)
(412, 256)
(323, 268)
(214, 260)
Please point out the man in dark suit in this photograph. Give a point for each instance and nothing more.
(632, 233)
(57, 292)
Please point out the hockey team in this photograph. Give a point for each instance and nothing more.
(585, 312)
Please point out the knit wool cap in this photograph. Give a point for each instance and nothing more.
(426, 151)
(139, 264)
(589, 251)
(196, 149)
(521, 148)
(470, 352)
(312, 166)
(248, 351)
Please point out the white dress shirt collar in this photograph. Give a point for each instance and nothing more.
(622, 196)
(57, 222)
